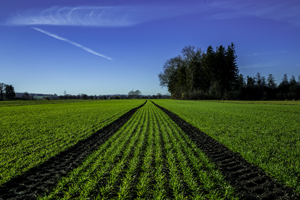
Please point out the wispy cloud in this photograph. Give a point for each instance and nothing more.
(285, 11)
(75, 16)
(120, 16)
(71, 42)
(108, 16)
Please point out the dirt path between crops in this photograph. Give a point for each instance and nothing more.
(43, 178)
(250, 181)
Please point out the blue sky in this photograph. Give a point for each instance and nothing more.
(112, 47)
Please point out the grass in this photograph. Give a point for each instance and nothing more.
(265, 134)
(31, 134)
(148, 158)
(292, 102)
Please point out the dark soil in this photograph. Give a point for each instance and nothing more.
(40, 180)
(250, 181)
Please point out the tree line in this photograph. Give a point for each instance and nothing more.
(7, 92)
(214, 74)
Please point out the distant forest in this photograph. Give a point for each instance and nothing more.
(214, 74)
(7, 92)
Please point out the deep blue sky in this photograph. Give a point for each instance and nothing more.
(112, 47)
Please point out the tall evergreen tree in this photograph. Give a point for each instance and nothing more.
(208, 61)
(198, 72)
(258, 81)
(232, 70)
(284, 87)
(241, 82)
(293, 88)
(220, 72)
(271, 83)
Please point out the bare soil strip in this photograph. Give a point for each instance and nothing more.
(43, 178)
(250, 181)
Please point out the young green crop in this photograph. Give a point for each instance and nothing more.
(31, 134)
(264, 134)
(148, 158)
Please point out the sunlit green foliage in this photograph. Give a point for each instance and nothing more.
(264, 134)
(31, 134)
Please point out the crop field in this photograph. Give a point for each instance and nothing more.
(31, 134)
(132, 149)
(258, 102)
(149, 157)
(266, 135)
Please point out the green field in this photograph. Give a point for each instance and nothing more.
(258, 102)
(31, 134)
(132, 164)
(150, 156)
(267, 135)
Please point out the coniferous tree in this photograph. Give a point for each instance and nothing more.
(283, 88)
(271, 87)
(220, 72)
(271, 83)
(198, 73)
(208, 67)
(215, 75)
(232, 70)
(241, 82)
(293, 87)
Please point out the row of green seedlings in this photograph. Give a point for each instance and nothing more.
(99, 175)
(148, 158)
(265, 135)
(192, 176)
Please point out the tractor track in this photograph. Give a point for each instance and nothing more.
(250, 181)
(41, 179)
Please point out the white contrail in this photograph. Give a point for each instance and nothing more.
(71, 42)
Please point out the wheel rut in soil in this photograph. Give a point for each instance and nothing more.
(41, 179)
(250, 181)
